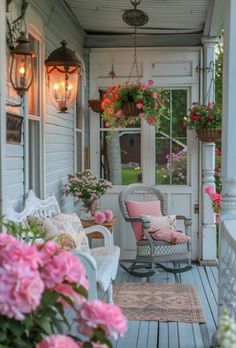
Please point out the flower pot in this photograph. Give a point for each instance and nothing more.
(88, 207)
(209, 134)
(95, 105)
(130, 109)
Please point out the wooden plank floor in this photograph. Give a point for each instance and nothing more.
(151, 334)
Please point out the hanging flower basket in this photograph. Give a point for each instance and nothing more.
(95, 105)
(123, 105)
(209, 135)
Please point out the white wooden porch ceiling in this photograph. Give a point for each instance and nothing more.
(171, 22)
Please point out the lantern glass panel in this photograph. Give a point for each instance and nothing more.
(63, 88)
(21, 71)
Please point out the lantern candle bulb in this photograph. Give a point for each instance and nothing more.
(22, 76)
(55, 88)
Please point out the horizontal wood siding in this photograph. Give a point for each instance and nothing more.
(58, 129)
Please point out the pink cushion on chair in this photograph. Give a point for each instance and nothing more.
(164, 228)
(172, 236)
(138, 208)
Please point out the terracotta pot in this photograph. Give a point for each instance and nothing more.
(95, 105)
(130, 109)
(209, 135)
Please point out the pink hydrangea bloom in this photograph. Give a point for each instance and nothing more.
(108, 317)
(67, 290)
(63, 267)
(13, 251)
(99, 217)
(59, 341)
(109, 214)
(21, 289)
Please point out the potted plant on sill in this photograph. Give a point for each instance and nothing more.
(206, 120)
(123, 105)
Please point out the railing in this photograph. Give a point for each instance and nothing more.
(227, 267)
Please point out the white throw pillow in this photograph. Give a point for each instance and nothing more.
(65, 229)
(162, 222)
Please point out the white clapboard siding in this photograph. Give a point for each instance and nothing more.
(58, 129)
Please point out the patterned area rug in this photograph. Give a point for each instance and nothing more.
(159, 302)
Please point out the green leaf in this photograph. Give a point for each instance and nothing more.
(49, 298)
(87, 345)
(62, 313)
(44, 324)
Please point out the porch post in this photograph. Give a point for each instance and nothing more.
(208, 156)
(229, 119)
(2, 105)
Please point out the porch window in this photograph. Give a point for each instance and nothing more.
(120, 149)
(171, 141)
(34, 119)
(78, 135)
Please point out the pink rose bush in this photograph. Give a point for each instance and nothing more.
(148, 100)
(37, 283)
(215, 200)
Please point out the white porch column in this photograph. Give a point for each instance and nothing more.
(2, 105)
(208, 157)
(229, 119)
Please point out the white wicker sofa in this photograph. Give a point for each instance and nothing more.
(101, 265)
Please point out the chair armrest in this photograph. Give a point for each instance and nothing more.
(146, 224)
(101, 229)
(91, 271)
(187, 223)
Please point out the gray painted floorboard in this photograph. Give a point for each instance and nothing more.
(145, 334)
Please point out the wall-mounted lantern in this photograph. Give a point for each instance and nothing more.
(63, 69)
(21, 71)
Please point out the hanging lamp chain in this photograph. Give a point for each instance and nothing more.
(134, 67)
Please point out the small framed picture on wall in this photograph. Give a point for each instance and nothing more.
(14, 127)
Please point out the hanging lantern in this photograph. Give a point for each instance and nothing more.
(21, 71)
(63, 68)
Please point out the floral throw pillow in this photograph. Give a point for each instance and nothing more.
(65, 229)
(163, 228)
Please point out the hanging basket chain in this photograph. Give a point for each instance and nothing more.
(134, 67)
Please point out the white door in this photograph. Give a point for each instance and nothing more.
(168, 157)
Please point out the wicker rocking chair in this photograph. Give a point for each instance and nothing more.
(151, 254)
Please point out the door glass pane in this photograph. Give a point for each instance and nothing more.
(171, 141)
(120, 160)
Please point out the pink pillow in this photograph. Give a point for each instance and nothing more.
(171, 236)
(138, 208)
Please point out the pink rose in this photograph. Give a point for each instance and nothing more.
(108, 317)
(59, 341)
(156, 106)
(99, 217)
(195, 117)
(150, 82)
(108, 214)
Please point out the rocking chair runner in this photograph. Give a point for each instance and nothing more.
(152, 253)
